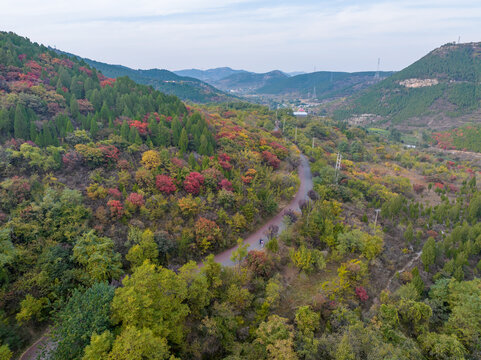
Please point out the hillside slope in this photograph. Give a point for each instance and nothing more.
(440, 90)
(327, 84)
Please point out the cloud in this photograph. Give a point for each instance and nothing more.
(257, 35)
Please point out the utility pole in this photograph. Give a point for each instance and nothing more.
(375, 220)
(338, 165)
(283, 124)
(295, 137)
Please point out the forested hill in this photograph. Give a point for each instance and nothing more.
(44, 96)
(440, 90)
(99, 176)
(327, 84)
(186, 88)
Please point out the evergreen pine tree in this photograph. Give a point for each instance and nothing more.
(96, 99)
(33, 131)
(183, 141)
(124, 130)
(4, 123)
(192, 162)
(69, 128)
(94, 128)
(133, 134)
(138, 139)
(74, 110)
(104, 113)
(176, 130)
(21, 126)
(48, 138)
(204, 146)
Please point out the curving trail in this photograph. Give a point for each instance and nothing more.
(38, 347)
(305, 177)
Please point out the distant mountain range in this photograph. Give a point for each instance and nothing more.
(322, 84)
(441, 90)
(186, 88)
(210, 75)
(233, 81)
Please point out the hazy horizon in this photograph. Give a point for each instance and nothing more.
(257, 36)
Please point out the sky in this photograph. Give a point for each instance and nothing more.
(296, 35)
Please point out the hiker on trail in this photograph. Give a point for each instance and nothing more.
(262, 243)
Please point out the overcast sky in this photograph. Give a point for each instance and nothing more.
(303, 35)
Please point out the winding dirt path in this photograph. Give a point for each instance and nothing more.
(305, 177)
(403, 269)
(39, 346)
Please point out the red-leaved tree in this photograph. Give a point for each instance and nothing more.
(116, 208)
(136, 199)
(226, 184)
(271, 159)
(115, 193)
(165, 184)
(193, 182)
(259, 263)
(362, 294)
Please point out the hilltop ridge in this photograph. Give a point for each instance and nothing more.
(440, 90)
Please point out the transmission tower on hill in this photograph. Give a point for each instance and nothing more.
(377, 71)
(314, 95)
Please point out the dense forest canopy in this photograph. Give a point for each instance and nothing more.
(112, 193)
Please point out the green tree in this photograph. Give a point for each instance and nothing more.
(74, 109)
(139, 344)
(409, 234)
(94, 127)
(146, 249)
(124, 131)
(183, 141)
(152, 297)
(204, 146)
(176, 128)
(344, 350)
(31, 307)
(7, 249)
(21, 125)
(5, 124)
(5, 352)
(99, 346)
(428, 256)
(98, 257)
(85, 313)
(307, 320)
(441, 346)
(276, 338)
